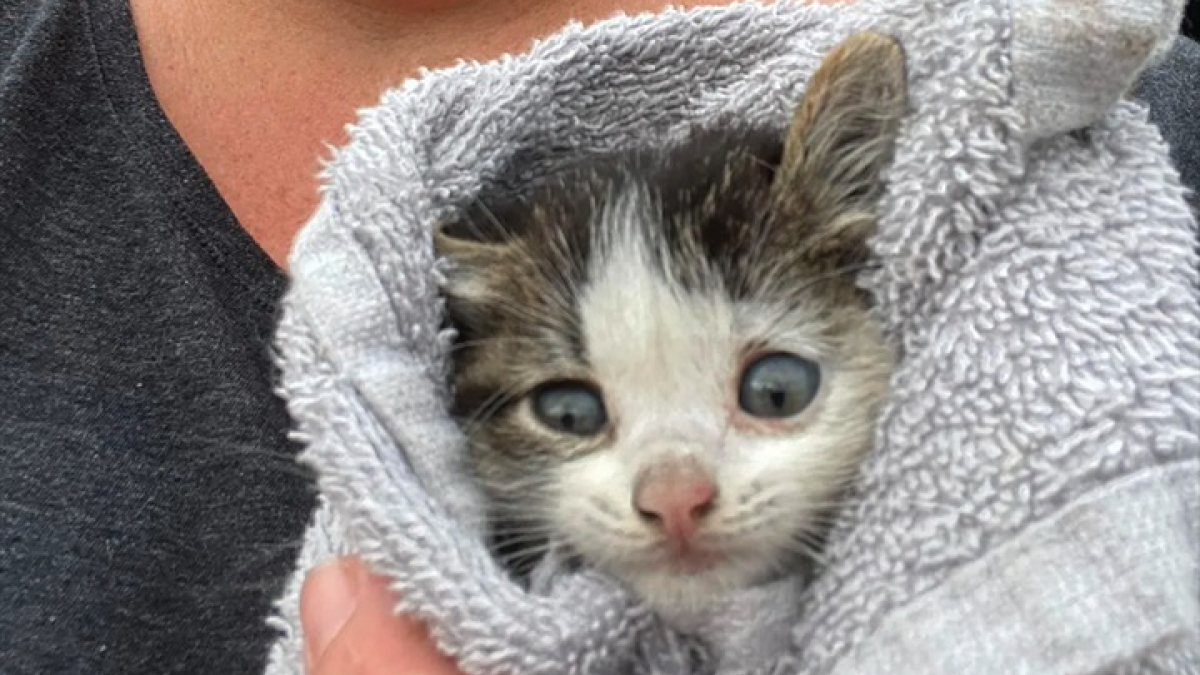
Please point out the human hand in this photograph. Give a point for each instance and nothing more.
(350, 627)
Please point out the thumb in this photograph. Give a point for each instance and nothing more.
(351, 628)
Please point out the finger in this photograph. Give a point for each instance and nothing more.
(374, 641)
(327, 601)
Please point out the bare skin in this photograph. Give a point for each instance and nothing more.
(259, 88)
(350, 627)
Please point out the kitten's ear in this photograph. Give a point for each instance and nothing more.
(472, 277)
(842, 136)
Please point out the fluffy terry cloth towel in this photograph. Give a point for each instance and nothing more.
(1033, 502)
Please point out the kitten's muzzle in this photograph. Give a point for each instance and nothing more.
(674, 496)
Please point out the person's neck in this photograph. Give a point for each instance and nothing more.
(258, 89)
(380, 34)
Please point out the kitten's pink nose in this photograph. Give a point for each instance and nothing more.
(675, 495)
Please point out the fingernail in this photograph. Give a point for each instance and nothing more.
(331, 598)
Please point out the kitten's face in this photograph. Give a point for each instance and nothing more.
(664, 363)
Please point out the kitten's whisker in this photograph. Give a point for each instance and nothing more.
(525, 552)
(489, 407)
(810, 551)
(514, 533)
(487, 341)
(501, 230)
(286, 463)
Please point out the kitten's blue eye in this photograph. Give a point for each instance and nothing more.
(778, 385)
(570, 408)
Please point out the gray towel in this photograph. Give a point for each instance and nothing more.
(1033, 501)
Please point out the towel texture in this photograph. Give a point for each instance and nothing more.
(1033, 501)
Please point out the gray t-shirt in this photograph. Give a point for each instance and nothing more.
(150, 508)
(150, 503)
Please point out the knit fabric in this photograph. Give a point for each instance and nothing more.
(1032, 504)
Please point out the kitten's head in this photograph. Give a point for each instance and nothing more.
(664, 362)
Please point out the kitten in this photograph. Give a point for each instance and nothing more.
(663, 362)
